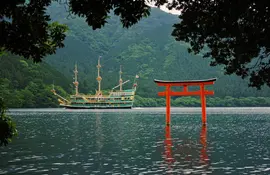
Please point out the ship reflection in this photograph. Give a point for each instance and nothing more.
(187, 152)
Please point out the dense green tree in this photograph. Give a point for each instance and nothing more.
(211, 102)
(26, 84)
(7, 126)
(25, 29)
(233, 33)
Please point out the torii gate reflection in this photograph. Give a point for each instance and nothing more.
(168, 146)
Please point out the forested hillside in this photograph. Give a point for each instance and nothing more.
(146, 49)
(25, 84)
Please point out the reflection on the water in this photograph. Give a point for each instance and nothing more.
(187, 151)
(168, 146)
(133, 143)
(203, 140)
(99, 134)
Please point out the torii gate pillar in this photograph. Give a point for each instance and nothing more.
(185, 92)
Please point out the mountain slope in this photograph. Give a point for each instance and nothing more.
(25, 84)
(146, 49)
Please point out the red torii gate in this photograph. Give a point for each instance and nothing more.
(185, 92)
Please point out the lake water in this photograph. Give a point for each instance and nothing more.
(59, 141)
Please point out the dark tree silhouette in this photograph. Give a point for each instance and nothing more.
(25, 29)
(235, 34)
(7, 126)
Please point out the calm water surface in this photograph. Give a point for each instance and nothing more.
(57, 141)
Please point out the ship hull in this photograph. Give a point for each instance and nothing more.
(96, 107)
(116, 100)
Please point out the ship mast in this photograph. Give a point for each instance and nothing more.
(120, 78)
(76, 83)
(99, 77)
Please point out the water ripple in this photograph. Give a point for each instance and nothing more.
(128, 142)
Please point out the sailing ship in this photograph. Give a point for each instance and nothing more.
(115, 98)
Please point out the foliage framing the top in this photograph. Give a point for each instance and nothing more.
(25, 29)
(236, 33)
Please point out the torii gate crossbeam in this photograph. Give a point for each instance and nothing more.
(185, 92)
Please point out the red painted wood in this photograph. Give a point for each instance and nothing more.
(185, 89)
(202, 93)
(188, 93)
(203, 103)
(168, 105)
